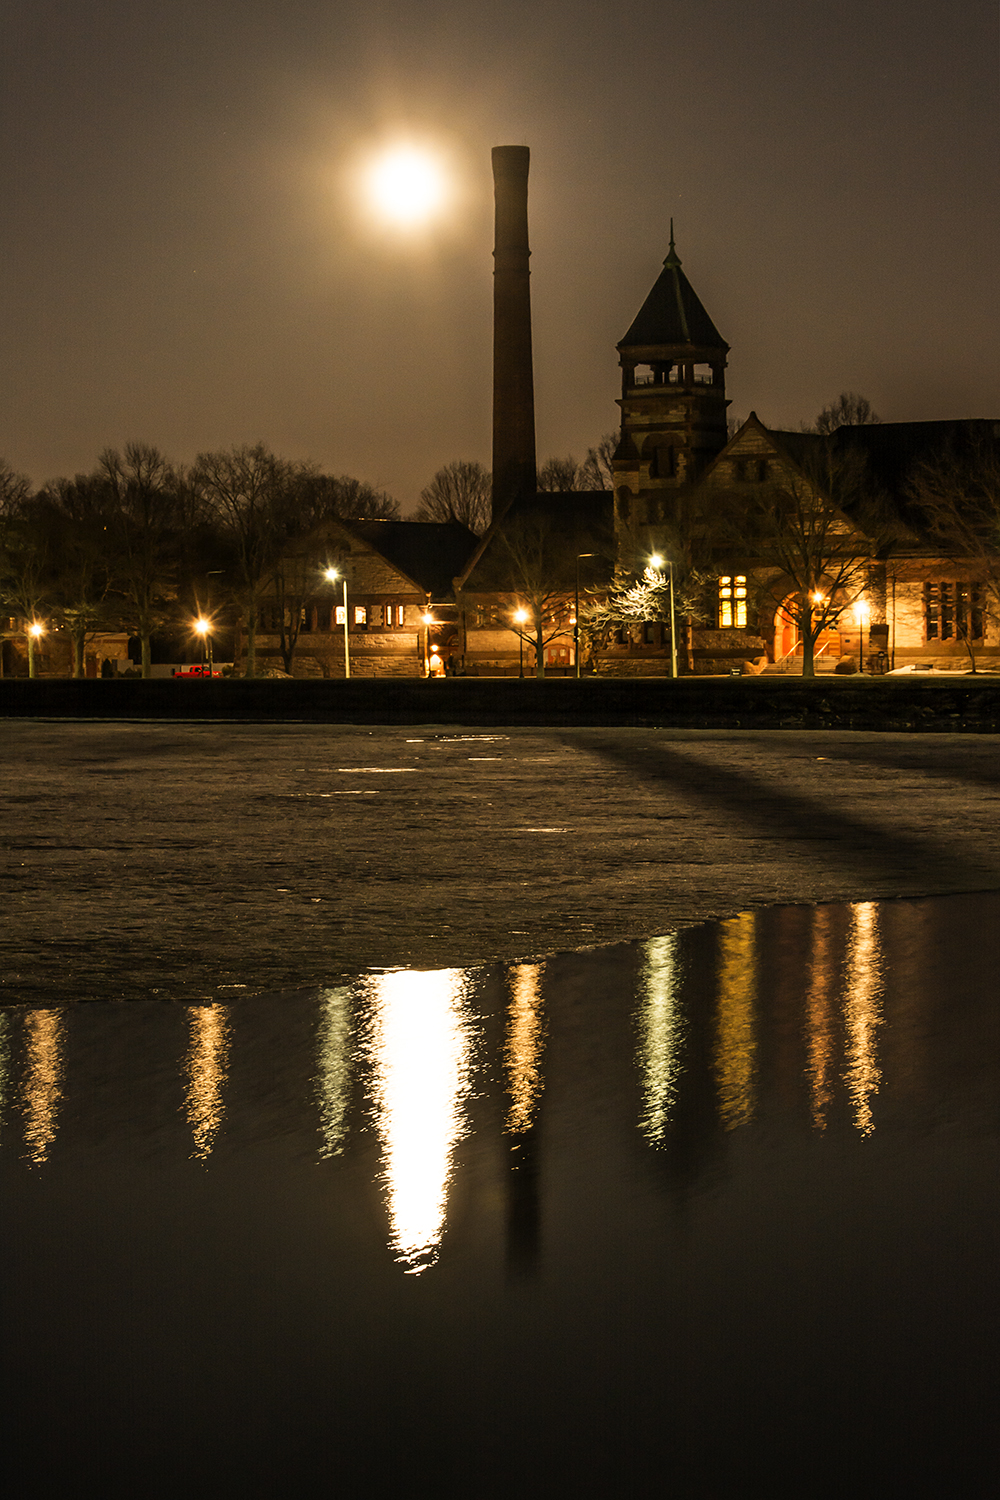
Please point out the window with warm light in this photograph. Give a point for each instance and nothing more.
(732, 601)
(360, 615)
(341, 616)
(953, 611)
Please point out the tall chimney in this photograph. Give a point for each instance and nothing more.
(513, 386)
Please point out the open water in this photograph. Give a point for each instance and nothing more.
(713, 1214)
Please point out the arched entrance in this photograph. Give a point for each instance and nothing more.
(788, 637)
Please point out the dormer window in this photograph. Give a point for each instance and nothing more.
(750, 470)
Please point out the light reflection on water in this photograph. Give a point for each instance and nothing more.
(409, 1038)
(333, 1068)
(42, 1086)
(735, 1036)
(205, 1066)
(523, 1052)
(661, 1029)
(862, 1012)
(419, 1042)
(522, 1216)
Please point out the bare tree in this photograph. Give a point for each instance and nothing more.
(559, 475)
(25, 561)
(596, 471)
(143, 496)
(813, 533)
(541, 574)
(337, 497)
(14, 488)
(462, 492)
(77, 516)
(957, 495)
(247, 487)
(849, 410)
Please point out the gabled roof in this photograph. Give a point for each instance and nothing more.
(672, 313)
(568, 523)
(430, 553)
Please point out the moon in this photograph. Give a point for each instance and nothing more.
(407, 185)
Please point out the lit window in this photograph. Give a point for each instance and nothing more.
(341, 616)
(360, 614)
(953, 611)
(733, 601)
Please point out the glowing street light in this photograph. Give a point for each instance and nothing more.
(427, 617)
(331, 576)
(656, 561)
(203, 628)
(520, 615)
(34, 632)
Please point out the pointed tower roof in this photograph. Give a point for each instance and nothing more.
(672, 313)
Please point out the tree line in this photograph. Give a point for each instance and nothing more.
(133, 544)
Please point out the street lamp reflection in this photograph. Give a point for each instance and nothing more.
(420, 1040)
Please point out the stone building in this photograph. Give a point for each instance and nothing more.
(400, 601)
(519, 593)
(676, 472)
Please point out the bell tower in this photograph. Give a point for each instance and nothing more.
(673, 403)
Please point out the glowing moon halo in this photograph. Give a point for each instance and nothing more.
(407, 185)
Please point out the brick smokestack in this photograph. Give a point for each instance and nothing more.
(513, 385)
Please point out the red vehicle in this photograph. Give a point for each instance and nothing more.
(194, 672)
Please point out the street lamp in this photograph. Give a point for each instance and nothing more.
(656, 561)
(203, 628)
(331, 576)
(34, 632)
(576, 611)
(520, 615)
(428, 620)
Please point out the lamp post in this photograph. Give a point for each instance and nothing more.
(576, 612)
(428, 619)
(864, 619)
(656, 561)
(34, 633)
(204, 628)
(332, 575)
(520, 615)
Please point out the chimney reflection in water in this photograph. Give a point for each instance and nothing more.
(735, 1049)
(205, 1065)
(333, 1077)
(419, 1045)
(42, 1086)
(661, 1034)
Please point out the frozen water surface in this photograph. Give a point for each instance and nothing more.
(711, 1214)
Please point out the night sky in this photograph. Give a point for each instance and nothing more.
(188, 259)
